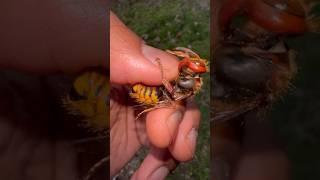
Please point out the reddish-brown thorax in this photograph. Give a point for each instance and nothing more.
(264, 15)
(195, 66)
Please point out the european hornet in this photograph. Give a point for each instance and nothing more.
(248, 78)
(252, 68)
(187, 84)
(253, 65)
(89, 98)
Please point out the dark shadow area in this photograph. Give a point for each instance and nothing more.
(39, 139)
(295, 118)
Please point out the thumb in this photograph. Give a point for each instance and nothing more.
(132, 61)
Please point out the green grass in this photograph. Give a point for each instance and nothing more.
(166, 24)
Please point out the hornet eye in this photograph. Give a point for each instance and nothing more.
(186, 83)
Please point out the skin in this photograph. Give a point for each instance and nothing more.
(43, 37)
(169, 132)
(52, 36)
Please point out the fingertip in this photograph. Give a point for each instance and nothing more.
(183, 147)
(141, 66)
(169, 64)
(132, 61)
(156, 165)
(161, 126)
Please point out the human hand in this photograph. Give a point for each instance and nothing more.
(170, 132)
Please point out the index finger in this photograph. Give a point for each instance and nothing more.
(132, 61)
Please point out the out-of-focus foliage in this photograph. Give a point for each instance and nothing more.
(167, 24)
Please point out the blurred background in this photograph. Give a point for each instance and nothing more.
(39, 139)
(296, 117)
(166, 24)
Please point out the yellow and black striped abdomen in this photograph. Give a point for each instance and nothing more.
(146, 95)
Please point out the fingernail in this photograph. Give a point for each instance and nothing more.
(175, 118)
(151, 53)
(192, 136)
(159, 174)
